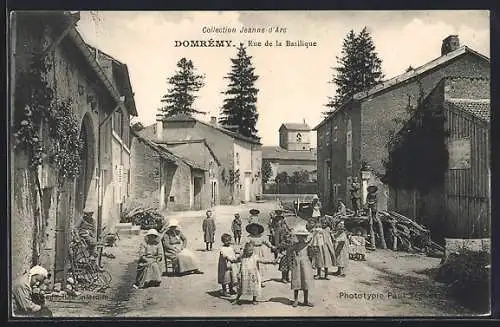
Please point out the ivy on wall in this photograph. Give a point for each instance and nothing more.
(36, 108)
(35, 105)
(418, 156)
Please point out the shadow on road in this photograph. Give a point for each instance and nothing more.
(282, 300)
(123, 291)
(420, 289)
(218, 294)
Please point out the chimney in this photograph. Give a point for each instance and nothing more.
(451, 43)
(213, 121)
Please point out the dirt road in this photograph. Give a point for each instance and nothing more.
(387, 284)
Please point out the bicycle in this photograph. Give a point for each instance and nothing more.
(85, 268)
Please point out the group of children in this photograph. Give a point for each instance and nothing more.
(299, 253)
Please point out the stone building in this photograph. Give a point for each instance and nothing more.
(174, 175)
(294, 152)
(459, 206)
(357, 133)
(240, 157)
(100, 92)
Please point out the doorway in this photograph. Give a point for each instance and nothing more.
(66, 217)
(248, 186)
(214, 193)
(198, 182)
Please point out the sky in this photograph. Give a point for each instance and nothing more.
(293, 81)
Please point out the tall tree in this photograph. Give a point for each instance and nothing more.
(239, 111)
(181, 95)
(358, 68)
(267, 171)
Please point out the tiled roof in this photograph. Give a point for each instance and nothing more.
(202, 141)
(478, 108)
(180, 155)
(166, 153)
(187, 118)
(275, 152)
(405, 77)
(296, 126)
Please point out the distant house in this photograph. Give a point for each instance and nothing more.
(460, 206)
(294, 152)
(176, 175)
(102, 101)
(356, 134)
(239, 157)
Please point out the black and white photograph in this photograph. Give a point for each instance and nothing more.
(249, 164)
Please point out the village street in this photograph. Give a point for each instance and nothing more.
(394, 283)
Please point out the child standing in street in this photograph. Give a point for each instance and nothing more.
(259, 241)
(208, 230)
(254, 216)
(249, 278)
(302, 270)
(323, 250)
(236, 228)
(285, 262)
(341, 249)
(226, 273)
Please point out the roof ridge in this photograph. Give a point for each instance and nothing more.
(465, 100)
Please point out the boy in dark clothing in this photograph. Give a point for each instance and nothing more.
(236, 228)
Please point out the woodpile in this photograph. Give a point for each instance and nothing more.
(403, 233)
(147, 218)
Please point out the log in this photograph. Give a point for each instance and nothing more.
(372, 233)
(381, 232)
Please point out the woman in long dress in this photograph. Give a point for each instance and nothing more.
(174, 246)
(150, 254)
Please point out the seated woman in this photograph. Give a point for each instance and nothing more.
(150, 253)
(174, 247)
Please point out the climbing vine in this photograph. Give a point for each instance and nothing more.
(35, 105)
(418, 156)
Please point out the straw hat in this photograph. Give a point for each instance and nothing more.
(254, 211)
(255, 227)
(39, 270)
(152, 231)
(173, 223)
(315, 197)
(372, 189)
(278, 212)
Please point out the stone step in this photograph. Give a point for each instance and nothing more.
(121, 226)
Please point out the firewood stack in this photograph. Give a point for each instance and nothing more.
(407, 235)
(147, 218)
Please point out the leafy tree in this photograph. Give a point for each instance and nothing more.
(266, 171)
(239, 111)
(282, 178)
(358, 68)
(181, 95)
(300, 176)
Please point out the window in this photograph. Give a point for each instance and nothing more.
(299, 138)
(237, 158)
(335, 128)
(171, 199)
(349, 144)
